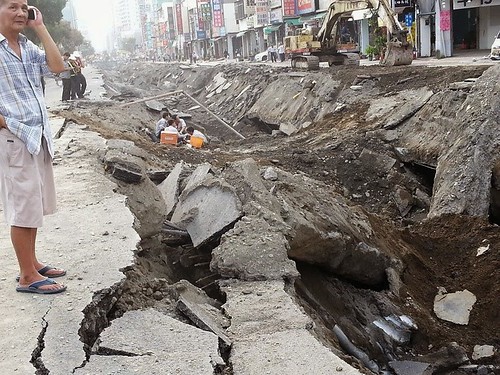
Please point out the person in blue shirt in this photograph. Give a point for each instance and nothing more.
(26, 150)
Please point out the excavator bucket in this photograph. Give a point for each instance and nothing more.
(397, 54)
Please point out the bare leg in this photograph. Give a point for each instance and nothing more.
(23, 240)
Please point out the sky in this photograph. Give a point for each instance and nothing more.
(94, 20)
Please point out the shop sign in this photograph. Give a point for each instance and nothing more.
(217, 14)
(262, 11)
(275, 3)
(306, 6)
(201, 34)
(276, 16)
(178, 16)
(289, 8)
(402, 3)
(461, 4)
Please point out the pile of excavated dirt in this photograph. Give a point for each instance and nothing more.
(373, 135)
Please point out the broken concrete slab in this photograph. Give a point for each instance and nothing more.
(448, 358)
(72, 241)
(207, 209)
(168, 344)
(454, 307)
(483, 351)
(275, 337)
(411, 368)
(202, 310)
(155, 105)
(253, 250)
(198, 175)
(125, 161)
(169, 188)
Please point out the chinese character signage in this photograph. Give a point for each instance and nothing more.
(275, 3)
(461, 4)
(217, 13)
(402, 3)
(305, 6)
(201, 34)
(444, 18)
(262, 11)
(178, 15)
(206, 12)
(289, 8)
(276, 16)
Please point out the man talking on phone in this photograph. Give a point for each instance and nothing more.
(26, 151)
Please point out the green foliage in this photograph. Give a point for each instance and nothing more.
(371, 50)
(66, 37)
(51, 9)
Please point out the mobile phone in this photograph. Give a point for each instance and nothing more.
(31, 14)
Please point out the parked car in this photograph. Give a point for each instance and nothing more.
(261, 56)
(495, 48)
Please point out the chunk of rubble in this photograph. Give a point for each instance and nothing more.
(482, 249)
(270, 174)
(411, 368)
(454, 307)
(155, 105)
(272, 335)
(199, 174)
(125, 161)
(447, 358)
(483, 351)
(253, 250)
(202, 310)
(169, 188)
(168, 344)
(207, 209)
(377, 161)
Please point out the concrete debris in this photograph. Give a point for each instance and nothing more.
(483, 351)
(199, 174)
(203, 311)
(454, 307)
(277, 337)
(270, 174)
(379, 162)
(447, 358)
(161, 347)
(404, 200)
(207, 209)
(127, 168)
(252, 250)
(483, 249)
(411, 368)
(169, 188)
(155, 105)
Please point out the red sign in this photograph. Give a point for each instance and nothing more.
(289, 8)
(305, 6)
(217, 13)
(178, 15)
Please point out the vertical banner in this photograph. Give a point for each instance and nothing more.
(289, 9)
(217, 13)
(444, 18)
(178, 16)
(306, 6)
(262, 11)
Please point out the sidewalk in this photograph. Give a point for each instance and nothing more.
(91, 236)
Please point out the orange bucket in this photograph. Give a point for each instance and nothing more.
(196, 142)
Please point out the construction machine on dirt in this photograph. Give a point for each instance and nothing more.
(307, 50)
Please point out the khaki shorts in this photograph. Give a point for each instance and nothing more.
(26, 182)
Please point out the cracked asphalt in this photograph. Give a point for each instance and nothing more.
(90, 236)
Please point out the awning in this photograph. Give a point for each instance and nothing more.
(313, 17)
(240, 34)
(270, 29)
(293, 21)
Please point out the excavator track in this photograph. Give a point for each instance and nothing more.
(305, 62)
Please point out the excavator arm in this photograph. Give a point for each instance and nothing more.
(398, 52)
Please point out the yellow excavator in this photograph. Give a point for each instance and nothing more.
(308, 50)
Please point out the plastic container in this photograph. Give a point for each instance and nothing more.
(168, 138)
(196, 142)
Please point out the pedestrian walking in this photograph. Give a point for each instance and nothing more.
(65, 77)
(26, 152)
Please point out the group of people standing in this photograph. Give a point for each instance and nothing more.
(73, 81)
(176, 125)
(273, 53)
